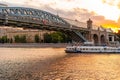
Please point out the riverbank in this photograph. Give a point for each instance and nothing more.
(33, 45)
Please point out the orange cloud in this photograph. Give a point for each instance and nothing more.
(100, 20)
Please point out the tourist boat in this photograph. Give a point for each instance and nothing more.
(92, 49)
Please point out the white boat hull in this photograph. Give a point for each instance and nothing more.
(92, 49)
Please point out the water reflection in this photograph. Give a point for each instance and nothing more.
(88, 66)
(54, 64)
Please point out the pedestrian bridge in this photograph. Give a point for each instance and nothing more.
(35, 19)
(30, 17)
(38, 19)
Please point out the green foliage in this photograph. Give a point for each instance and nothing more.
(20, 39)
(23, 39)
(56, 37)
(47, 38)
(4, 39)
(17, 39)
(37, 39)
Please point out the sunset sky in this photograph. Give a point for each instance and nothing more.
(102, 12)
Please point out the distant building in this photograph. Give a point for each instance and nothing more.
(30, 34)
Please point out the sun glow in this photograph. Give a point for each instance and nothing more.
(113, 27)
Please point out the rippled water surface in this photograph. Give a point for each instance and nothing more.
(55, 64)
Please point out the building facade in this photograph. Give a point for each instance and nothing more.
(97, 34)
(30, 34)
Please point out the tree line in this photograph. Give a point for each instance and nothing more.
(55, 37)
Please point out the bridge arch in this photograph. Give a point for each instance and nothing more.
(30, 15)
(95, 39)
(102, 39)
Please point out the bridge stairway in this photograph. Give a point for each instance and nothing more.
(81, 36)
(76, 36)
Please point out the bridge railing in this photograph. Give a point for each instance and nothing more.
(18, 15)
(35, 20)
(2, 16)
(30, 20)
(73, 27)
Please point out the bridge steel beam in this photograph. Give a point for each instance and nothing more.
(26, 16)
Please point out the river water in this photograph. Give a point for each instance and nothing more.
(55, 64)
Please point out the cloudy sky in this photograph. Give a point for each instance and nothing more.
(102, 12)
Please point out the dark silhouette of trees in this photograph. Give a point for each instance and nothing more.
(56, 37)
(4, 39)
(37, 39)
(20, 39)
(47, 38)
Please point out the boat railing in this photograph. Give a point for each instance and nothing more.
(115, 43)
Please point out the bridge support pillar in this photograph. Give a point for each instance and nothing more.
(113, 39)
(89, 36)
(99, 40)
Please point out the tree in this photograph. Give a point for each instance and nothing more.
(47, 38)
(37, 39)
(17, 39)
(20, 39)
(23, 39)
(56, 37)
(4, 39)
(65, 38)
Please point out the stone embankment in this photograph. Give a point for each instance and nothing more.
(34, 45)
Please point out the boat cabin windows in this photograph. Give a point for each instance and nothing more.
(87, 49)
